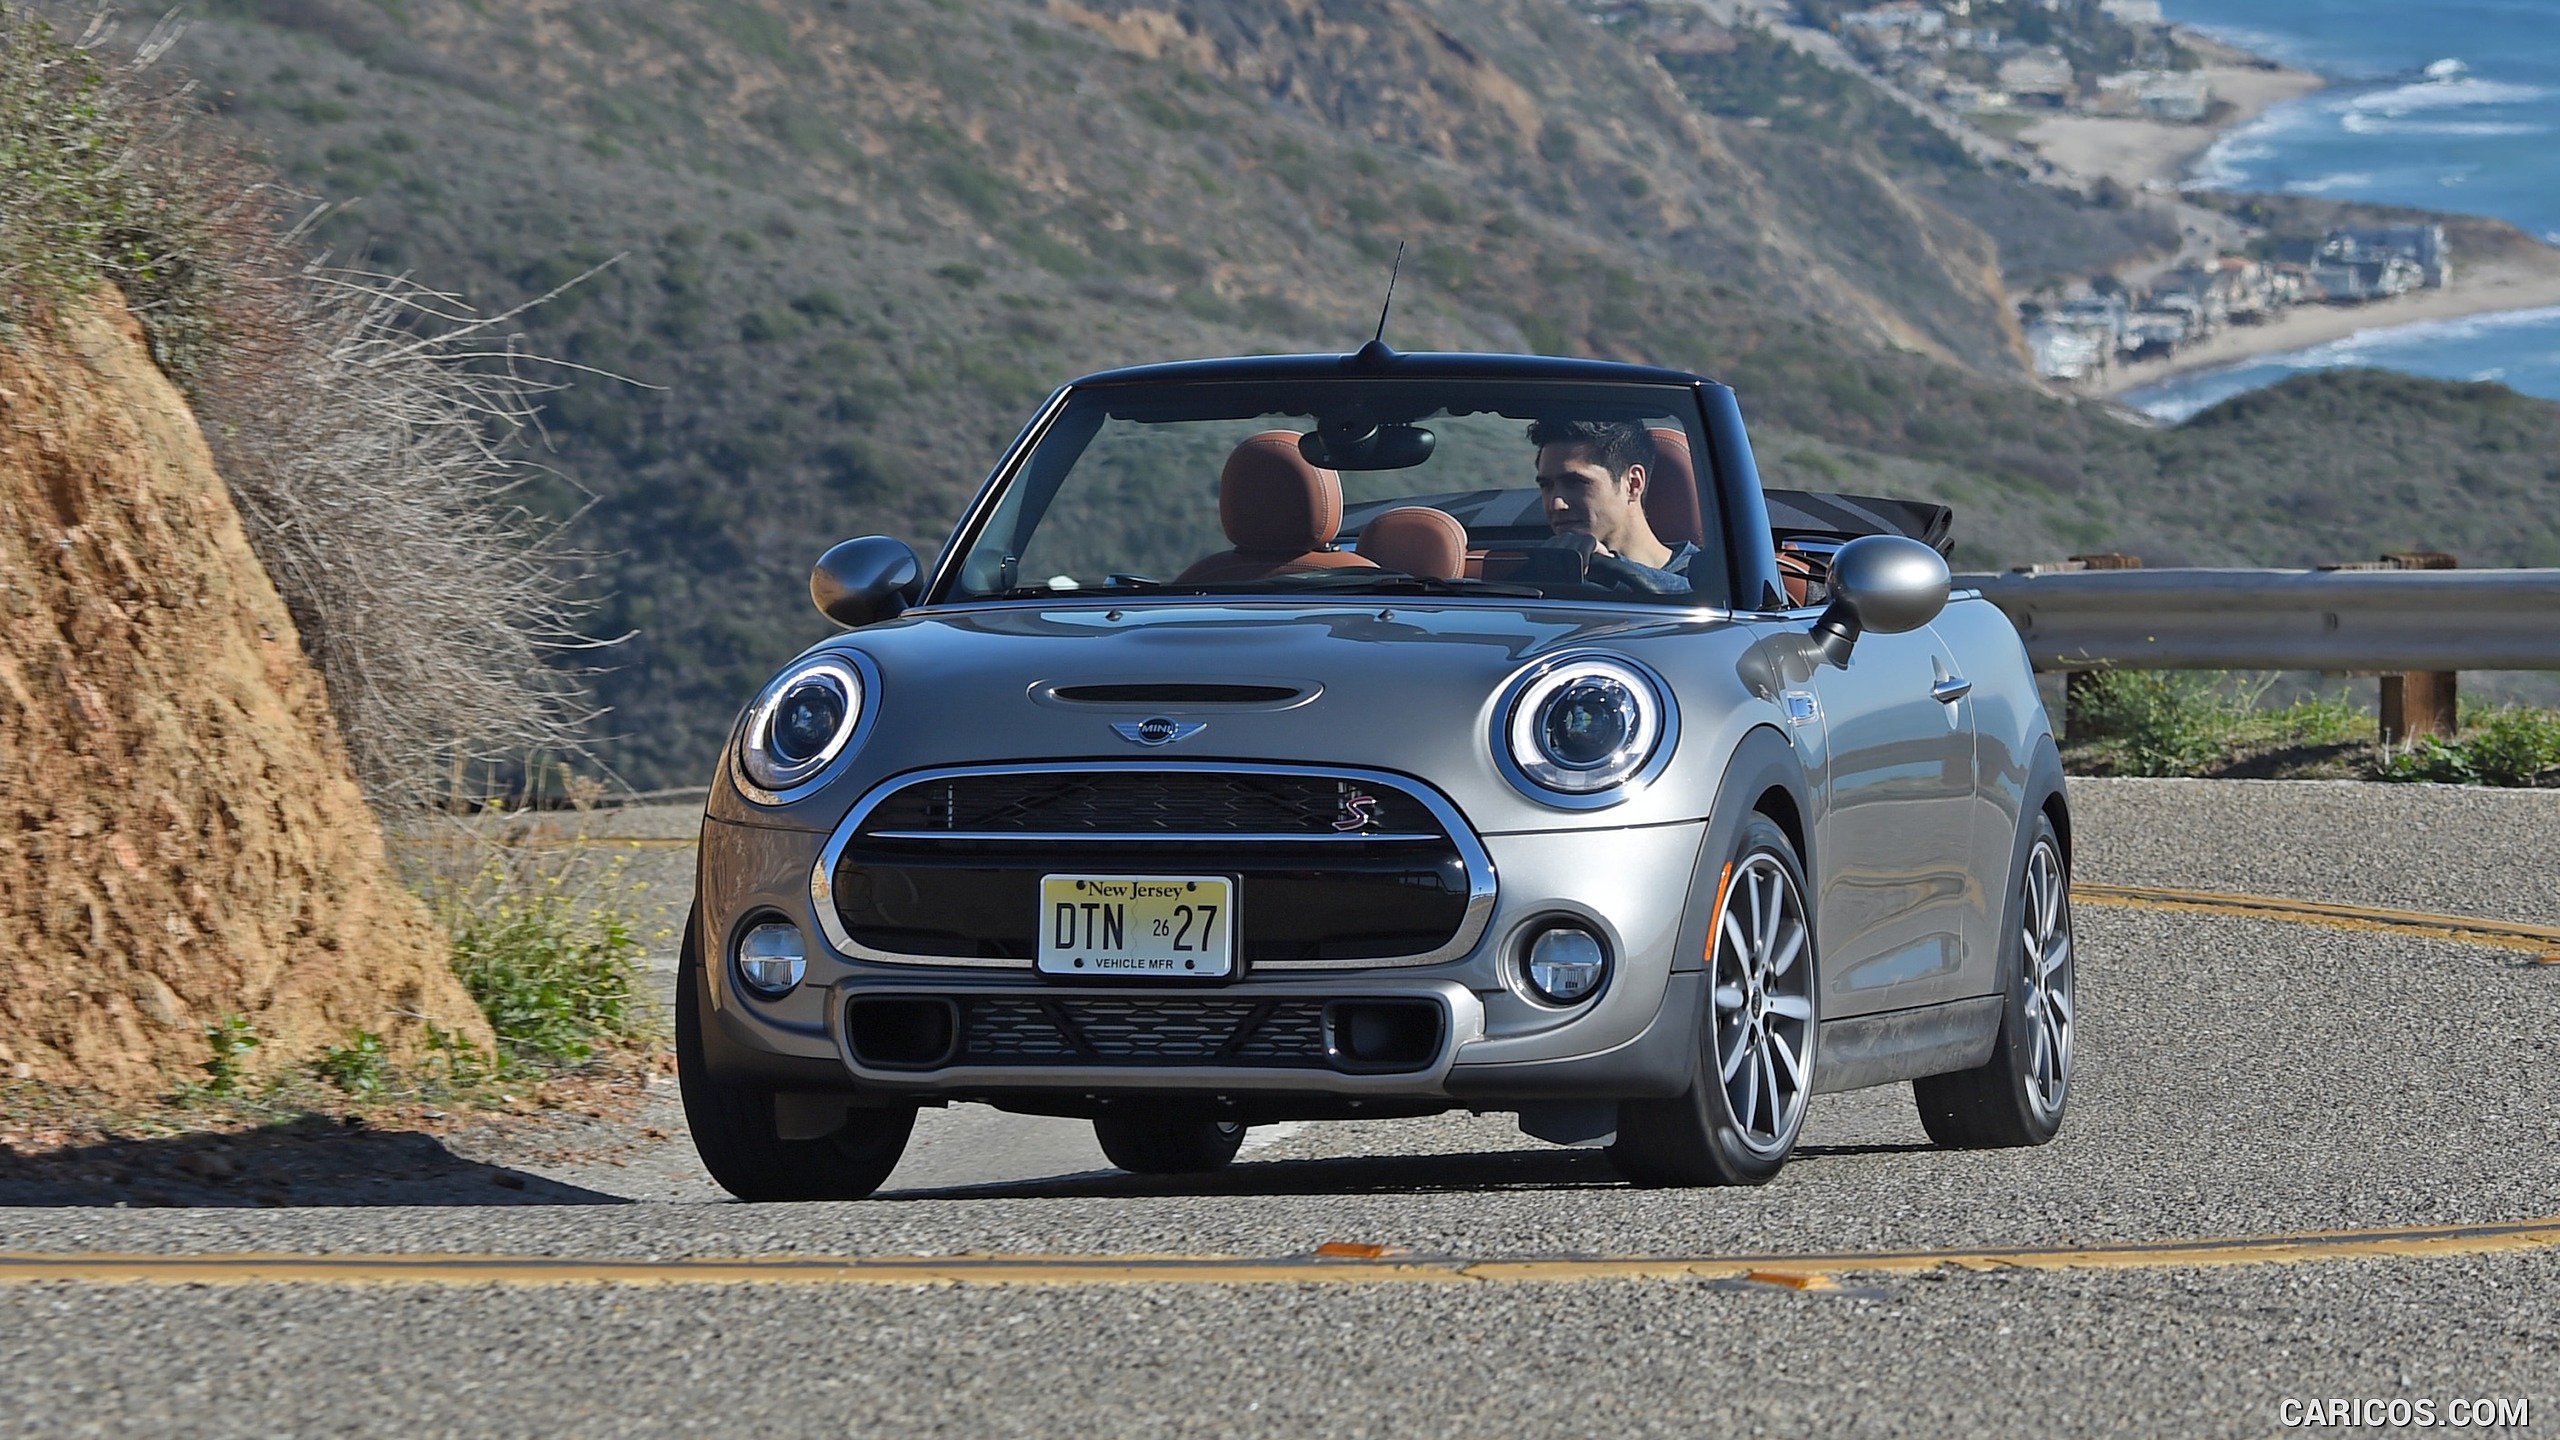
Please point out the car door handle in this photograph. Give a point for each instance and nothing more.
(1951, 689)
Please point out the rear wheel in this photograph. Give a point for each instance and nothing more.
(1745, 1105)
(733, 1124)
(1154, 1145)
(2017, 1096)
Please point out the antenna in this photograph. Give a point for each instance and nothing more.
(1381, 337)
(1376, 353)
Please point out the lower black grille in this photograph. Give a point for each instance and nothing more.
(1373, 1035)
(1181, 1030)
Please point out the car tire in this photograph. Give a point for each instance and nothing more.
(733, 1123)
(2017, 1097)
(1753, 1077)
(1152, 1145)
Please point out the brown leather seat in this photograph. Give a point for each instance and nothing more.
(1671, 497)
(1280, 512)
(1417, 540)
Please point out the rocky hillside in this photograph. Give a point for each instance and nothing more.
(181, 841)
(852, 241)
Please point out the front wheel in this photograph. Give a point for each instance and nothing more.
(733, 1124)
(1154, 1145)
(1745, 1105)
(2016, 1097)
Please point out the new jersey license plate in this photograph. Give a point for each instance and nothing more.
(1168, 927)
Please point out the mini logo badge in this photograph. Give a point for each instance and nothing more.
(1359, 812)
(1158, 729)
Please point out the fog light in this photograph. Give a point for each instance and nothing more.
(1566, 963)
(772, 958)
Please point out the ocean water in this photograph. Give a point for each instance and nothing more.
(2446, 105)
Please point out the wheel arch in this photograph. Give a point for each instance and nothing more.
(1765, 777)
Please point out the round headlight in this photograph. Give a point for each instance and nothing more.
(1566, 963)
(800, 723)
(772, 958)
(1585, 726)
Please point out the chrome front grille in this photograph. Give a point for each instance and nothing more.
(1336, 869)
(1144, 802)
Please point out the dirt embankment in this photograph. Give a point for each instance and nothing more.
(181, 839)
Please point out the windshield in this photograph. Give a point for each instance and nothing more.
(1555, 489)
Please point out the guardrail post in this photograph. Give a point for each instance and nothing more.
(2416, 702)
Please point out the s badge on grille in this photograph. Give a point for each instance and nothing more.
(1158, 730)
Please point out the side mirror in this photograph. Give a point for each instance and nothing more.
(865, 581)
(1885, 583)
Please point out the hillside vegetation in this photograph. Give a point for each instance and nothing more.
(852, 241)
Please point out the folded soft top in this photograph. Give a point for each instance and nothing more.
(1810, 512)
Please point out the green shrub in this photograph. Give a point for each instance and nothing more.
(552, 971)
(2442, 762)
(2165, 722)
(232, 1040)
(2515, 745)
(359, 1067)
(2181, 723)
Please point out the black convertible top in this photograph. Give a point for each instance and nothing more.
(1809, 512)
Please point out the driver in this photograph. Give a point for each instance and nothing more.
(1591, 482)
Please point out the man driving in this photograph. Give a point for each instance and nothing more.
(1592, 476)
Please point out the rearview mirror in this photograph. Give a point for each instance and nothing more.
(865, 581)
(1884, 583)
(1359, 446)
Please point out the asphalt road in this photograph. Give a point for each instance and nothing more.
(2240, 1077)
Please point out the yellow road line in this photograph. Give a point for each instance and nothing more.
(2504, 933)
(2435, 1241)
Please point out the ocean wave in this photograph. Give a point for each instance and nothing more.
(2365, 122)
(2453, 92)
(2322, 185)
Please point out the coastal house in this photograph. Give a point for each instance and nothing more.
(2183, 96)
(1901, 22)
(2132, 12)
(2039, 76)
(2422, 245)
(2064, 352)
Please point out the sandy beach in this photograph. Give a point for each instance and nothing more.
(2155, 154)
(2481, 291)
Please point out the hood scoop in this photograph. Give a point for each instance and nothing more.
(1263, 696)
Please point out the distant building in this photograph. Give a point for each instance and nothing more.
(1905, 19)
(2040, 75)
(2132, 12)
(1966, 95)
(2159, 94)
(2064, 352)
(2422, 245)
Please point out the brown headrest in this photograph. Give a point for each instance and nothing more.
(1272, 501)
(1417, 540)
(1671, 496)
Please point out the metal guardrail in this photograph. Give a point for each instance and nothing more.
(2368, 620)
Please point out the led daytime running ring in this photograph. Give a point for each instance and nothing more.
(1641, 704)
(769, 771)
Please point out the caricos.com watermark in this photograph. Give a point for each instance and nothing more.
(2297, 1413)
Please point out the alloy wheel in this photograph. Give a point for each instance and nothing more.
(1763, 1031)
(2047, 973)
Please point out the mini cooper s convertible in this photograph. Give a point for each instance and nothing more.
(1373, 735)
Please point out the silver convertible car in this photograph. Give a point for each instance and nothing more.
(1373, 735)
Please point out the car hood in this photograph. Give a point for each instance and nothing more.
(1402, 687)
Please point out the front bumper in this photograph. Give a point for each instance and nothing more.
(1640, 887)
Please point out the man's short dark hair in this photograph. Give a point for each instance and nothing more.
(1616, 444)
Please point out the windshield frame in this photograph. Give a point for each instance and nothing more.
(1717, 421)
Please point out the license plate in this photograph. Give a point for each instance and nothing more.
(1166, 927)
